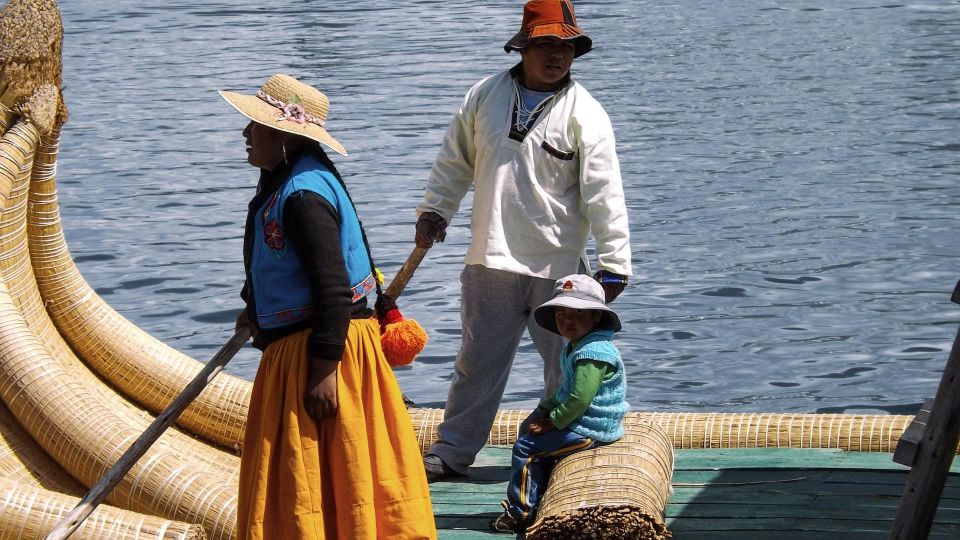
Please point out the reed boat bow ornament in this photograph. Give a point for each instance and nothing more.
(31, 39)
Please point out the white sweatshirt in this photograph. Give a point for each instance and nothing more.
(534, 201)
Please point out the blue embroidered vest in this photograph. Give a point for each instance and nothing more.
(603, 419)
(280, 286)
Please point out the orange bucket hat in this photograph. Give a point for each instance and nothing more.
(550, 18)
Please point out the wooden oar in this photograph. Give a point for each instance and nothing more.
(112, 477)
(406, 272)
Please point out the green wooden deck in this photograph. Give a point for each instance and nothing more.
(736, 494)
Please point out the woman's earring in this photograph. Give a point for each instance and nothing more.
(283, 147)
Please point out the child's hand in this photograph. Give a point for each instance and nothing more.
(541, 425)
(537, 414)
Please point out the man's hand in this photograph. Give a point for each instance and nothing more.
(612, 290)
(321, 395)
(430, 228)
(613, 284)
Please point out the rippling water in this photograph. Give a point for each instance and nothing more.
(791, 170)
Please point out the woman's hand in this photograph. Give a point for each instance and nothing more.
(243, 319)
(321, 396)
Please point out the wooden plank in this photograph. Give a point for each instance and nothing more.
(789, 529)
(740, 495)
(815, 458)
(814, 511)
(742, 534)
(921, 492)
(819, 488)
(467, 535)
(738, 476)
(909, 443)
(746, 495)
(880, 477)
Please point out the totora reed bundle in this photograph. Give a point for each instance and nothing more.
(853, 432)
(618, 491)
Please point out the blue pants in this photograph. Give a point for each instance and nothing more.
(534, 457)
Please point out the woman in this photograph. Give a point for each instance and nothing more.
(329, 450)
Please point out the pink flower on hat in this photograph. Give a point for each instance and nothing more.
(295, 112)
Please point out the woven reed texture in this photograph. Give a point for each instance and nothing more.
(23, 288)
(144, 369)
(30, 513)
(617, 491)
(854, 432)
(23, 461)
(42, 188)
(66, 416)
(45, 262)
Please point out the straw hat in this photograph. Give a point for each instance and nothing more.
(577, 292)
(550, 18)
(289, 105)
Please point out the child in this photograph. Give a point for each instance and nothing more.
(588, 408)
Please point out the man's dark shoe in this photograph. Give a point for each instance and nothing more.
(436, 469)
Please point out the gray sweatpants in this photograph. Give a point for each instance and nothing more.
(495, 307)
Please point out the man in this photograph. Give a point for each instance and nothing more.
(540, 154)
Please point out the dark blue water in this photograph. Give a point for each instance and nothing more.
(791, 170)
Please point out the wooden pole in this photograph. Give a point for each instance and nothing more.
(406, 272)
(928, 473)
(168, 416)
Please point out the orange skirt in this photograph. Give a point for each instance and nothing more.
(358, 475)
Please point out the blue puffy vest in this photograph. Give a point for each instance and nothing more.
(603, 419)
(280, 286)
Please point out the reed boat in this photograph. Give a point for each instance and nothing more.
(79, 383)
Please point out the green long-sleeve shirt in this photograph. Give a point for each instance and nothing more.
(587, 376)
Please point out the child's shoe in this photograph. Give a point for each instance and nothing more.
(506, 523)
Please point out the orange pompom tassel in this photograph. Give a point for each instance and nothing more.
(401, 339)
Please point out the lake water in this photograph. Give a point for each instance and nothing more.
(791, 170)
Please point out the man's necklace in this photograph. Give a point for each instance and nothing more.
(524, 115)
